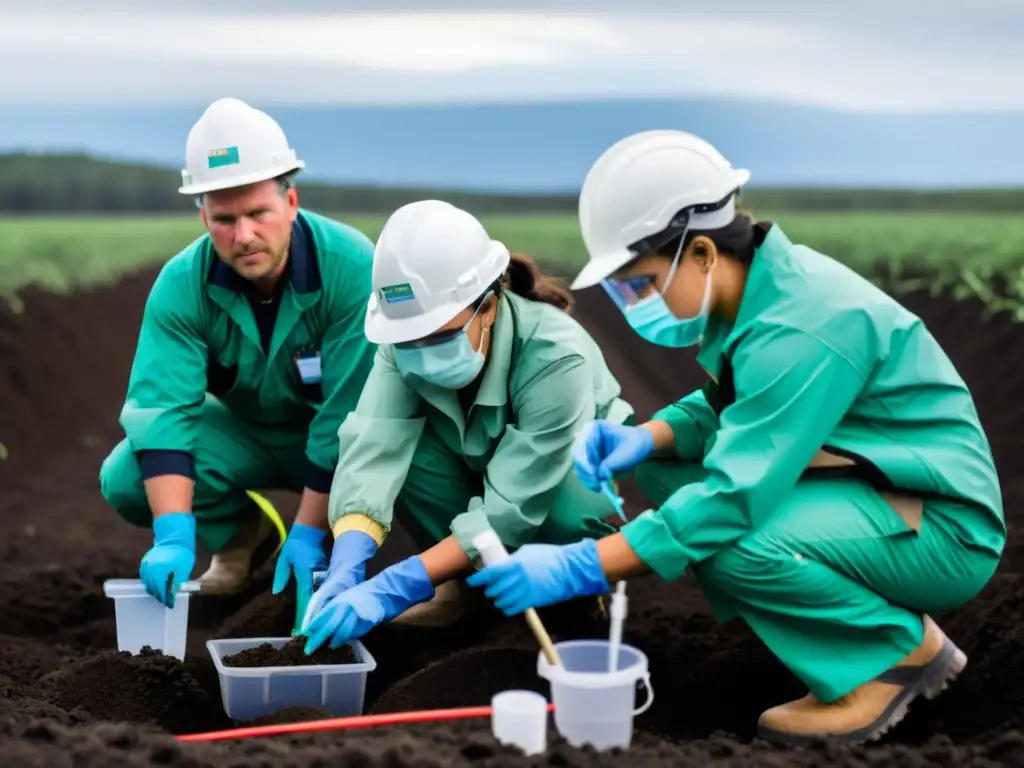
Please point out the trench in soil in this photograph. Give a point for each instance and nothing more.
(65, 690)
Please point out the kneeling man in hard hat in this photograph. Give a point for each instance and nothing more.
(250, 356)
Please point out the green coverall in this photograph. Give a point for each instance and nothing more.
(238, 399)
(507, 463)
(832, 482)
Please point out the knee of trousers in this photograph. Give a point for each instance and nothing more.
(750, 565)
(122, 487)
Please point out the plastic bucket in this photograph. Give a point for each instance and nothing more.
(592, 705)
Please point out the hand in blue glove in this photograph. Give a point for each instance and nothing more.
(347, 569)
(172, 558)
(302, 553)
(605, 448)
(359, 609)
(541, 574)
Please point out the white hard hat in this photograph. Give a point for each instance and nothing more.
(636, 188)
(432, 260)
(232, 145)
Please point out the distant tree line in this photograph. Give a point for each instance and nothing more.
(70, 184)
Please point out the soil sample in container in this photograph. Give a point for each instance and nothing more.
(292, 654)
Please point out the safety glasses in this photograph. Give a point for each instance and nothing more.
(433, 339)
(440, 337)
(629, 292)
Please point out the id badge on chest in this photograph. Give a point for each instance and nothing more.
(309, 368)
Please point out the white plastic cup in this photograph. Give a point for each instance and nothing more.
(592, 705)
(520, 719)
(143, 620)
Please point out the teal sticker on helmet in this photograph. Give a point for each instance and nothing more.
(217, 158)
(395, 294)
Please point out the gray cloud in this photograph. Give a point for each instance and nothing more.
(874, 54)
(879, 12)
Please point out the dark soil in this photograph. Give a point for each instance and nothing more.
(465, 679)
(67, 697)
(291, 654)
(147, 688)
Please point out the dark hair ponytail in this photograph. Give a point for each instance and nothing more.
(525, 279)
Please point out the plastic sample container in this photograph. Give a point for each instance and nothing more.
(251, 692)
(520, 719)
(143, 620)
(592, 705)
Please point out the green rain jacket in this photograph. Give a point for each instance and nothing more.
(557, 379)
(199, 335)
(818, 360)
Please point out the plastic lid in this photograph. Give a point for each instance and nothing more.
(133, 588)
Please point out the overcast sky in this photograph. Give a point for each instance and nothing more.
(873, 55)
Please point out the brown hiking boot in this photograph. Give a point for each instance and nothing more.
(451, 601)
(869, 711)
(231, 569)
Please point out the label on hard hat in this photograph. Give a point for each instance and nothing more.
(216, 158)
(395, 294)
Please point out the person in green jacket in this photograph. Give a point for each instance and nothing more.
(250, 355)
(831, 485)
(480, 385)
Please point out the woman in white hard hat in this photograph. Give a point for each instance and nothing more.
(481, 384)
(831, 485)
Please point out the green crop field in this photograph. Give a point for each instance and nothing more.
(964, 250)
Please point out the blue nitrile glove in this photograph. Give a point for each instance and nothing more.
(302, 553)
(605, 448)
(347, 569)
(541, 574)
(356, 611)
(172, 558)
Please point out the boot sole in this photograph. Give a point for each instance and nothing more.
(935, 678)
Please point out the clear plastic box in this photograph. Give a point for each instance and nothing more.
(251, 692)
(143, 620)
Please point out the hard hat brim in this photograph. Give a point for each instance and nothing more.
(601, 268)
(380, 329)
(240, 181)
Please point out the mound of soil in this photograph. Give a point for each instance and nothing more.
(467, 678)
(67, 697)
(148, 688)
(266, 615)
(24, 661)
(291, 654)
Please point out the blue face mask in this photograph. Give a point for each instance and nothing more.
(451, 364)
(653, 320)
